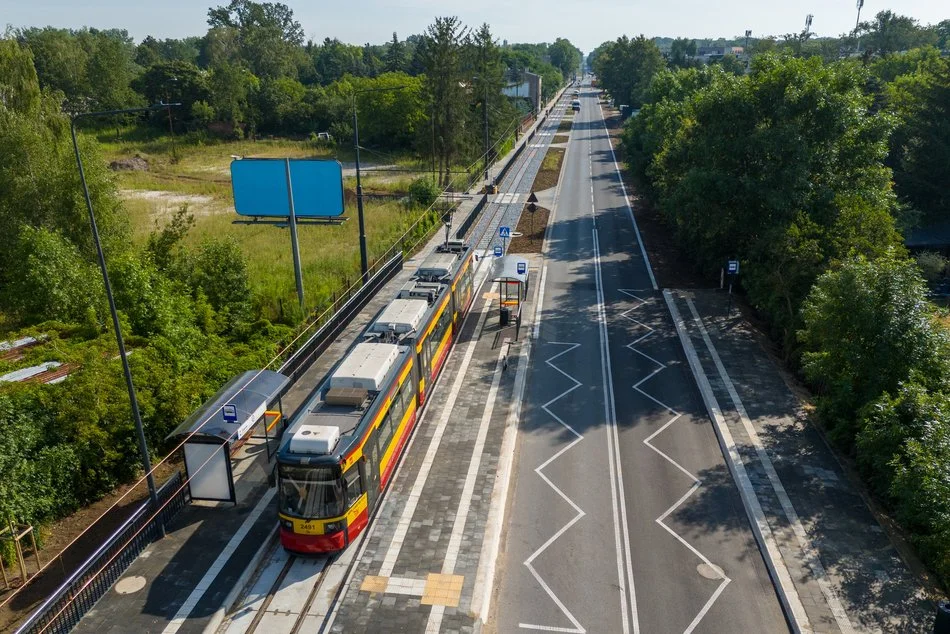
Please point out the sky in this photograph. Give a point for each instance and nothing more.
(587, 23)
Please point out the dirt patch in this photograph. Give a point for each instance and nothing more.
(133, 164)
(531, 227)
(89, 527)
(561, 138)
(550, 170)
(672, 266)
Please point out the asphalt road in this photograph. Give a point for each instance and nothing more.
(623, 516)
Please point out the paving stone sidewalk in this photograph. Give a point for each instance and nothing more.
(855, 566)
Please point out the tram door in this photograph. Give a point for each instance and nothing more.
(370, 467)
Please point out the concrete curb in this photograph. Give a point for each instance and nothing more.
(781, 579)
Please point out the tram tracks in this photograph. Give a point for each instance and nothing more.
(279, 599)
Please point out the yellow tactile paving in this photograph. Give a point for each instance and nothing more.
(443, 590)
(374, 584)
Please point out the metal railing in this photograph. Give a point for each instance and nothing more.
(79, 593)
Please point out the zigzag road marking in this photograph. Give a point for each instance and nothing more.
(697, 483)
(578, 628)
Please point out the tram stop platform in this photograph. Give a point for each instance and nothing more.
(181, 582)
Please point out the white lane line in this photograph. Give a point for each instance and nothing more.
(810, 554)
(415, 494)
(782, 580)
(578, 628)
(621, 531)
(539, 310)
(468, 489)
(696, 482)
(643, 251)
(182, 615)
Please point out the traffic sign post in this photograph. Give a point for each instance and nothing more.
(732, 267)
(505, 233)
(532, 207)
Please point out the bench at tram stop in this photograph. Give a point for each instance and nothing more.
(247, 410)
(511, 274)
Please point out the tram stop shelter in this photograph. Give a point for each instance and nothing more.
(222, 424)
(511, 274)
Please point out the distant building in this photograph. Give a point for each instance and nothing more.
(528, 88)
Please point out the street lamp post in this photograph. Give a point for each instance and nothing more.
(136, 415)
(364, 258)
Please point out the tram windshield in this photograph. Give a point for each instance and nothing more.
(311, 492)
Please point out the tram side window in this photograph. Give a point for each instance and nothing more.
(385, 432)
(396, 410)
(407, 392)
(353, 484)
(467, 279)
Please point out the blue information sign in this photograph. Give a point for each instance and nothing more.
(498, 252)
(733, 267)
(522, 268)
(260, 187)
(504, 232)
(230, 413)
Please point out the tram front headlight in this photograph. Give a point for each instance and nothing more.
(287, 524)
(334, 527)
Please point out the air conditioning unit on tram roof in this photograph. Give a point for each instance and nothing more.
(315, 439)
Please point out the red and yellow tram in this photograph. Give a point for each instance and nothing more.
(340, 450)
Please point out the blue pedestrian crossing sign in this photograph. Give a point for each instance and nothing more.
(733, 267)
(498, 252)
(504, 232)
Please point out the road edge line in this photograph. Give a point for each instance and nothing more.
(781, 579)
(626, 198)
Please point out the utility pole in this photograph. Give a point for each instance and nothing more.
(857, 25)
(100, 255)
(485, 113)
(364, 257)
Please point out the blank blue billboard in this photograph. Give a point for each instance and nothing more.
(260, 187)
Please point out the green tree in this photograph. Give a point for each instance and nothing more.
(920, 147)
(19, 85)
(173, 82)
(565, 56)
(39, 187)
(232, 92)
(395, 56)
(626, 67)
(867, 328)
(445, 82)
(889, 32)
(682, 52)
(60, 61)
(49, 279)
(268, 36)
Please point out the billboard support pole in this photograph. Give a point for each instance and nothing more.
(294, 244)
